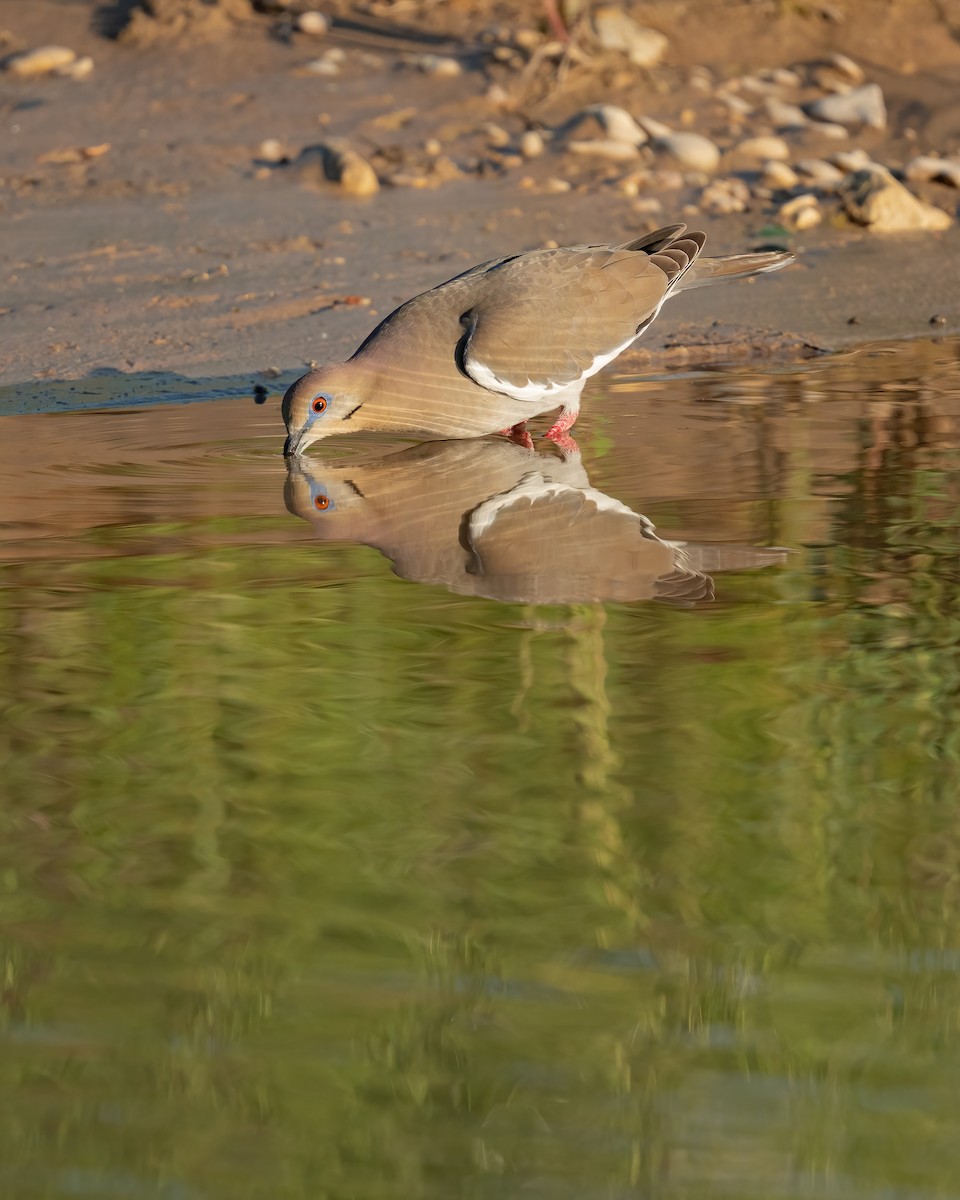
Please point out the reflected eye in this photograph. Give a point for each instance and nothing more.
(322, 502)
(319, 404)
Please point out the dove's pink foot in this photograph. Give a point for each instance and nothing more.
(518, 435)
(557, 433)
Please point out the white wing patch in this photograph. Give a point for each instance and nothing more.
(480, 373)
(533, 486)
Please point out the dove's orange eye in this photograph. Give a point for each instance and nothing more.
(321, 502)
(319, 404)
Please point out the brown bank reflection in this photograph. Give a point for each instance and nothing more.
(495, 519)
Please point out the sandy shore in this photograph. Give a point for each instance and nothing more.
(179, 249)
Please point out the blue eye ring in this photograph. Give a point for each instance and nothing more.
(319, 404)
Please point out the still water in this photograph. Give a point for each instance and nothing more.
(450, 821)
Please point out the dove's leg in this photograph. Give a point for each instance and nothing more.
(518, 434)
(563, 424)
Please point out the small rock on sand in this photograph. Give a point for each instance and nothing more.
(818, 171)
(690, 150)
(937, 170)
(861, 106)
(440, 66)
(802, 212)
(764, 148)
(615, 122)
(779, 176)
(531, 144)
(785, 116)
(616, 30)
(605, 148)
(872, 197)
(314, 24)
(725, 196)
(44, 60)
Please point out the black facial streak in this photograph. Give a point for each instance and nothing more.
(352, 411)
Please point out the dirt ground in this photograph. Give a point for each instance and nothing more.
(148, 224)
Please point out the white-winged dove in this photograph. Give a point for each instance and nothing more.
(505, 341)
(492, 518)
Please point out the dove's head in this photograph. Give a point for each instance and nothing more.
(328, 400)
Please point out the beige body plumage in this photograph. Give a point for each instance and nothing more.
(505, 341)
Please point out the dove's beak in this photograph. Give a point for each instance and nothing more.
(294, 445)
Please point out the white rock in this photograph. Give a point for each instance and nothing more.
(327, 64)
(557, 185)
(617, 123)
(779, 176)
(764, 148)
(837, 73)
(439, 65)
(861, 106)
(872, 197)
(41, 61)
(784, 77)
(850, 160)
(605, 148)
(615, 30)
(785, 116)
(736, 104)
(313, 23)
(802, 212)
(496, 135)
(271, 150)
(820, 172)
(939, 170)
(690, 150)
(725, 196)
(79, 70)
(531, 144)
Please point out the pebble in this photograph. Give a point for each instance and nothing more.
(615, 122)
(616, 30)
(872, 197)
(41, 61)
(605, 148)
(79, 70)
(271, 150)
(779, 176)
(837, 72)
(850, 160)
(313, 23)
(802, 212)
(725, 196)
(439, 65)
(327, 64)
(785, 116)
(691, 150)
(736, 104)
(819, 171)
(860, 106)
(558, 185)
(648, 204)
(764, 148)
(937, 170)
(496, 135)
(531, 144)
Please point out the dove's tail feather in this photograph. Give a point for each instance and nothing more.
(704, 271)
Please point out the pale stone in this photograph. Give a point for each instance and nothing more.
(861, 106)
(691, 150)
(802, 212)
(616, 30)
(785, 116)
(41, 61)
(938, 170)
(725, 196)
(820, 172)
(605, 148)
(531, 144)
(872, 197)
(764, 148)
(779, 176)
(439, 65)
(315, 24)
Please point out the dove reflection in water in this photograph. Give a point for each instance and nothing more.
(496, 519)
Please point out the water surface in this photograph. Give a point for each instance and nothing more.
(358, 849)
